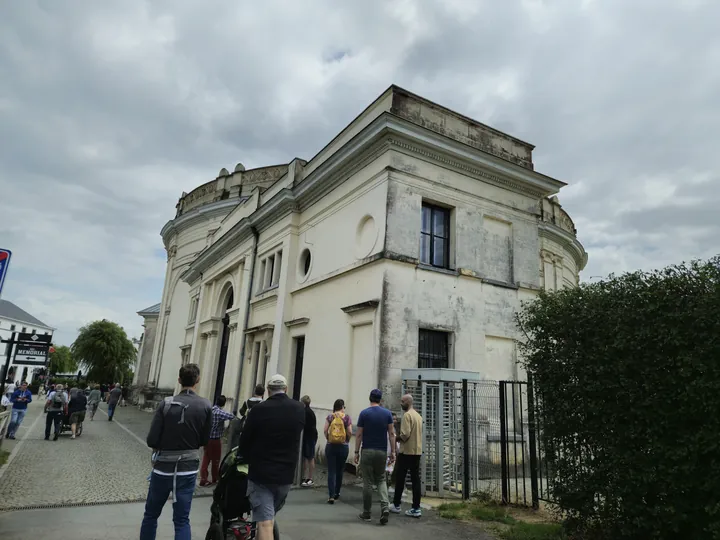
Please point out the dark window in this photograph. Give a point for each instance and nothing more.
(24, 330)
(435, 236)
(433, 349)
(12, 327)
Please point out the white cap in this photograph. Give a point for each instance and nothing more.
(277, 381)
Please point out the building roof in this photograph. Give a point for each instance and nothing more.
(150, 311)
(8, 310)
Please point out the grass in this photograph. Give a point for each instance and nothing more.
(3, 457)
(501, 521)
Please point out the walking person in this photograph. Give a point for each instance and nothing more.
(408, 460)
(180, 426)
(374, 426)
(256, 398)
(20, 399)
(212, 453)
(113, 400)
(94, 399)
(338, 430)
(76, 410)
(236, 426)
(9, 388)
(55, 408)
(309, 444)
(270, 442)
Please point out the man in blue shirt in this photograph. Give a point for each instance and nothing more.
(374, 428)
(20, 399)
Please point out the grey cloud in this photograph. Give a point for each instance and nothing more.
(109, 111)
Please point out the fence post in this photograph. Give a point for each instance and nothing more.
(426, 439)
(504, 468)
(440, 440)
(466, 440)
(533, 445)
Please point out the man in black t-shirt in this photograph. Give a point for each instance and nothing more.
(270, 442)
(76, 410)
(310, 437)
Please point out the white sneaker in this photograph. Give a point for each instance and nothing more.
(309, 483)
(395, 509)
(304, 483)
(72, 437)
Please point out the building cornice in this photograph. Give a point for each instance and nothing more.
(195, 216)
(566, 240)
(385, 132)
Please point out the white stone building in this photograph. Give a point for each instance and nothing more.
(16, 319)
(410, 240)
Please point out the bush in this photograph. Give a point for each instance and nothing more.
(628, 376)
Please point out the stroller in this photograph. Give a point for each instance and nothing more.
(230, 509)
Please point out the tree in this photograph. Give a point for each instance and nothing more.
(105, 351)
(62, 360)
(627, 377)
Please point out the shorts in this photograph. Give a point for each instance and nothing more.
(308, 448)
(77, 417)
(266, 501)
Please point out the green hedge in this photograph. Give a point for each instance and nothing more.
(628, 372)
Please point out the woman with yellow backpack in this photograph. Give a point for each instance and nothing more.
(338, 430)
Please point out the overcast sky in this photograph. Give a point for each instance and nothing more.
(109, 111)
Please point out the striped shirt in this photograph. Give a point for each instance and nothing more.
(219, 416)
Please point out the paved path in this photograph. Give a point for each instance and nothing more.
(110, 464)
(305, 517)
(106, 464)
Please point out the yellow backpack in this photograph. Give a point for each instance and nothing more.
(336, 431)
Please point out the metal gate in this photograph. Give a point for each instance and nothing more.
(480, 437)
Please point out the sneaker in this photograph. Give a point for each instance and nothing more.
(395, 509)
(204, 483)
(337, 496)
(304, 483)
(365, 516)
(55, 437)
(414, 512)
(47, 438)
(331, 501)
(309, 483)
(72, 437)
(385, 516)
(11, 437)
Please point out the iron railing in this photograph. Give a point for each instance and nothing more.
(481, 437)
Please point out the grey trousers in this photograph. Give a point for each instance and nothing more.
(372, 468)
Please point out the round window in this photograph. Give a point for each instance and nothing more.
(305, 263)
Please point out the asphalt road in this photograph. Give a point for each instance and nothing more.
(305, 517)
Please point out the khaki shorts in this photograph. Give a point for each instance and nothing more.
(77, 417)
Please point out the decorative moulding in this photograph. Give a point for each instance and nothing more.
(297, 322)
(362, 306)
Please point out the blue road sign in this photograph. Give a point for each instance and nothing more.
(5, 255)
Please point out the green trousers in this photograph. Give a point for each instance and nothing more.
(372, 468)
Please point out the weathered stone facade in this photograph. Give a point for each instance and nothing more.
(414, 223)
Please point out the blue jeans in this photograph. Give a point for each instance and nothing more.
(111, 410)
(158, 493)
(336, 455)
(16, 418)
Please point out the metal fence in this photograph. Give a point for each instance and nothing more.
(480, 437)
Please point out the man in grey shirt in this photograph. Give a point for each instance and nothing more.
(115, 395)
(55, 409)
(180, 426)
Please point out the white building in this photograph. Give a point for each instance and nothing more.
(15, 319)
(410, 240)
